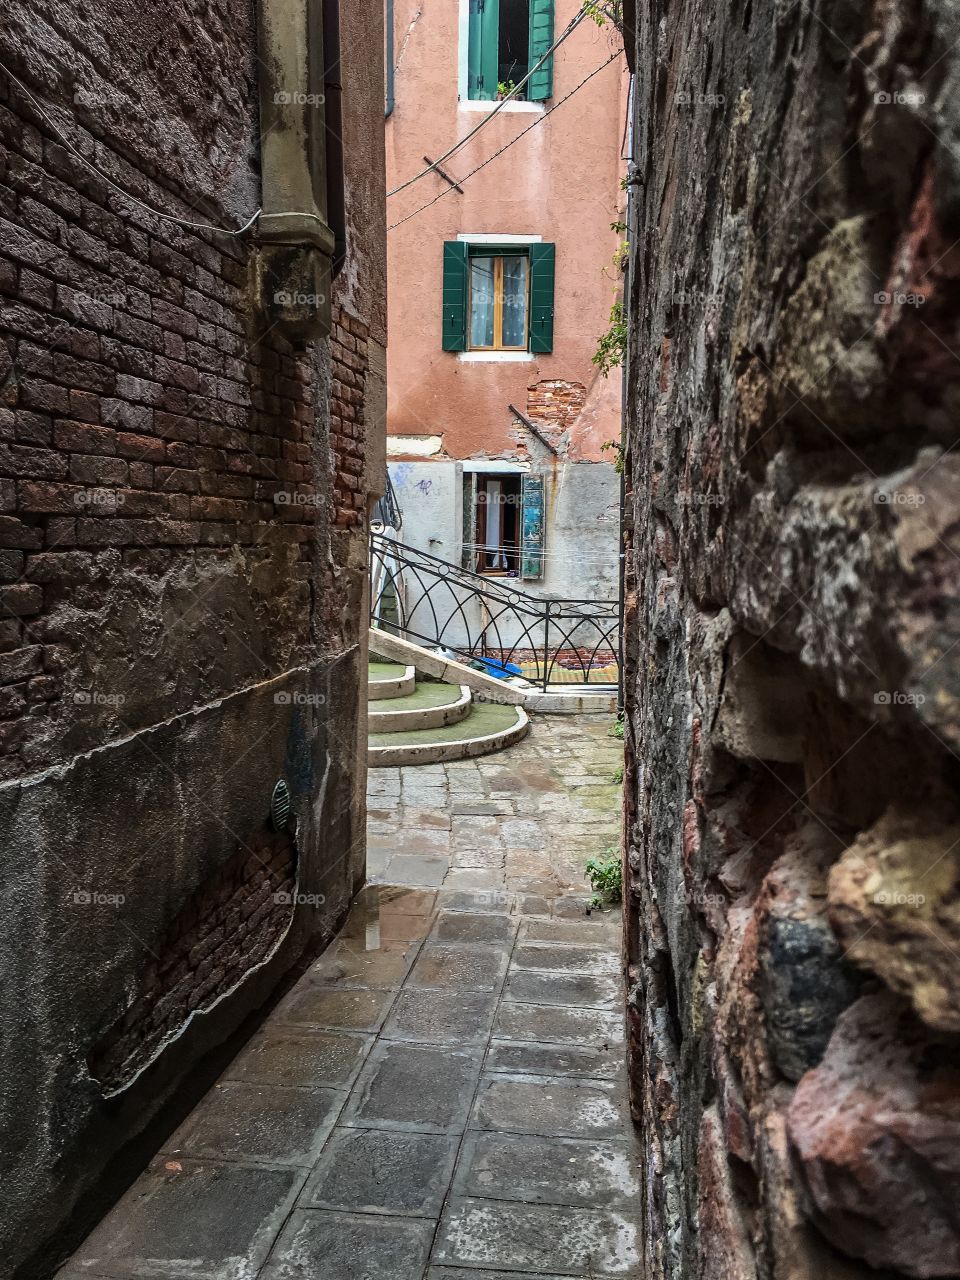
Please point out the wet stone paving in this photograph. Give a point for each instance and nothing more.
(524, 820)
(440, 1096)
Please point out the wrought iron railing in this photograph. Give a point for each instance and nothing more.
(438, 604)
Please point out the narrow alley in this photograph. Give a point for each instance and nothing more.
(443, 1092)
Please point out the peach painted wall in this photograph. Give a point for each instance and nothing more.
(561, 181)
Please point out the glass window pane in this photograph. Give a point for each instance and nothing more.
(481, 302)
(515, 301)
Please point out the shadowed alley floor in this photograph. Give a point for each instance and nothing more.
(441, 1094)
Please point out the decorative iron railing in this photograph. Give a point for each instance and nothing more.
(438, 604)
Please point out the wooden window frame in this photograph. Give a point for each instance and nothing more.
(498, 255)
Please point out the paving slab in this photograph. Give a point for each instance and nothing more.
(367, 960)
(566, 957)
(311, 1003)
(561, 1239)
(541, 1170)
(576, 989)
(302, 1057)
(479, 901)
(460, 1273)
(268, 1124)
(420, 1088)
(469, 926)
(558, 1024)
(206, 1221)
(599, 930)
(342, 1246)
(460, 966)
(442, 1017)
(382, 1171)
(558, 1107)
(419, 869)
(529, 1058)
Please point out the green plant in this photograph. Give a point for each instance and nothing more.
(616, 729)
(602, 10)
(618, 776)
(618, 459)
(612, 345)
(606, 879)
(505, 88)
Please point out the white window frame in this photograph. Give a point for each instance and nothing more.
(463, 76)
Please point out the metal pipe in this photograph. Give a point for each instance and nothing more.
(333, 131)
(389, 59)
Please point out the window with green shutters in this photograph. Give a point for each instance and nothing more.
(506, 40)
(498, 298)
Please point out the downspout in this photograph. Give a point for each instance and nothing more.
(391, 102)
(333, 133)
(297, 242)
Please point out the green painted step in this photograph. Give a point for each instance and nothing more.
(488, 727)
(429, 706)
(389, 680)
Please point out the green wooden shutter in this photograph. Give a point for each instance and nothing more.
(540, 84)
(531, 527)
(455, 293)
(483, 49)
(542, 272)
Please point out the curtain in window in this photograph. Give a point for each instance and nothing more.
(515, 300)
(494, 556)
(481, 302)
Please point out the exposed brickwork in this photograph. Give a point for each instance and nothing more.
(229, 925)
(555, 403)
(348, 349)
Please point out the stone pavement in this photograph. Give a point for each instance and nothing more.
(524, 820)
(441, 1095)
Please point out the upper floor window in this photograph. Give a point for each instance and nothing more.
(507, 38)
(498, 297)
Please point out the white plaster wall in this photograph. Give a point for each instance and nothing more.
(582, 538)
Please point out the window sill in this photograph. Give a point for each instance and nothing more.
(495, 357)
(486, 104)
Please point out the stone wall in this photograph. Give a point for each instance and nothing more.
(792, 841)
(183, 496)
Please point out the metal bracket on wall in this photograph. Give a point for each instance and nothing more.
(531, 426)
(443, 174)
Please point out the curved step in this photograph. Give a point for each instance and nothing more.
(488, 727)
(389, 680)
(429, 706)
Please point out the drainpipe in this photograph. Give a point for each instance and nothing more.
(333, 133)
(391, 102)
(297, 241)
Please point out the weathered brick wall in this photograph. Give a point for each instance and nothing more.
(348, 347)
(230, 925)
(183, 489)
(792, 853)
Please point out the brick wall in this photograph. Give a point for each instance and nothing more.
(148, 419)
(555, 403)
(228, 926)
(348, 349)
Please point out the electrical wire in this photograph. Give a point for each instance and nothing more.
(568, 31)
(446, 191)
(167, 217)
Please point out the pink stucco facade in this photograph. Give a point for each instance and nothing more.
(561, 181)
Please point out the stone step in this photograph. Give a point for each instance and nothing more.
(429, 706)
(389, 680)
(488, 727)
